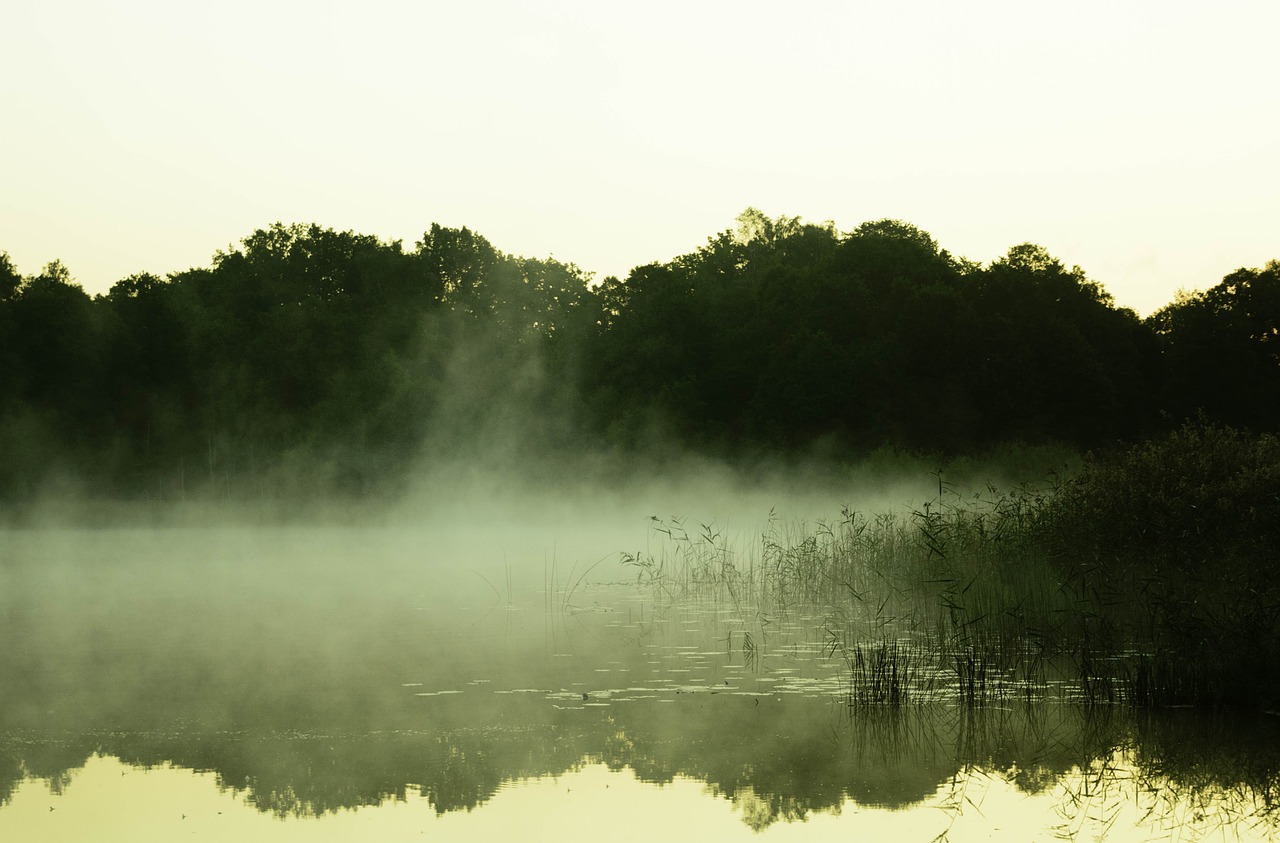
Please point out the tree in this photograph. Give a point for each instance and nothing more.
(888, 252)
(56, 344)
(1055, 357)
(754, 226)
(10, 280)
(458, 261)
(1221, 350)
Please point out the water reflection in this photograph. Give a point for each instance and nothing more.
(391, 684)
(1112, 799)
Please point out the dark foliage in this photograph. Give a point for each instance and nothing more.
(1175, 542)
(318, 360)
(1222, 350)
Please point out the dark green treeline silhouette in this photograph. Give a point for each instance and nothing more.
(308, 358)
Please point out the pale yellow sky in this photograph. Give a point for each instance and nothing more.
(1138, 140)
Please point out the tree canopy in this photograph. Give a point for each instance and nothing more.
(306, 355)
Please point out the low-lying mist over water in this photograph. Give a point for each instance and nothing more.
(309, 670)
(501, 483)
(804, 662)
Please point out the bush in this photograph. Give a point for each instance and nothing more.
(1174, 543)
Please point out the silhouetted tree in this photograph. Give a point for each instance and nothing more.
(10, 280)
(1221, 350)
(1057, 358)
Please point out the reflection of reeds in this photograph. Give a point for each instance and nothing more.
(882, 673)
(750, 657)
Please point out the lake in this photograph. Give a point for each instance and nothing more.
(513, 680)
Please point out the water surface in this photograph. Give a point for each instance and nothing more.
(378, 683)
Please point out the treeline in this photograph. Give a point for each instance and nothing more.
(305, 358)
(313, 359)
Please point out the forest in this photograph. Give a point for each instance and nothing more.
(309, 361)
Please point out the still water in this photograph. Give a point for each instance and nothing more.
(403, 684)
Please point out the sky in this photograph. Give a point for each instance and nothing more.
(1138, 140)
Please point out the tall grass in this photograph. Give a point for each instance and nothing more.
(934, 602)
(1148, 578)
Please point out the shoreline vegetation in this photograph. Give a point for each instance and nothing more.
(1146, 579)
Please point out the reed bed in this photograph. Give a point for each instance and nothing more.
(1085, 588)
